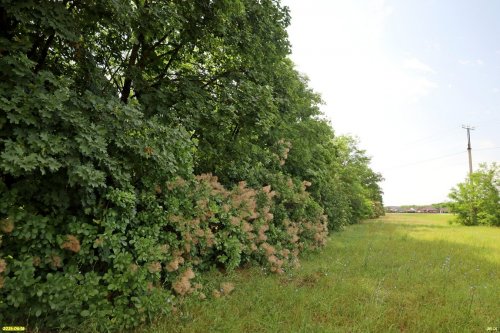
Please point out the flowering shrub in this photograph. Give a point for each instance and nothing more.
(146, 248)
(215, 226)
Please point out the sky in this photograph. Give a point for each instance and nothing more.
(403, 77)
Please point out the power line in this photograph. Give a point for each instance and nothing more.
(427, 160)
(445, 133)
(469, 149)
(492, 148)
(438, 158)
(430, 138)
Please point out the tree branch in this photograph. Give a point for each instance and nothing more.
(127, 85)
(174, 52)
(161, 40)
(43, 53)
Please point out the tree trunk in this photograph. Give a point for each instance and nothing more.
(128, 79)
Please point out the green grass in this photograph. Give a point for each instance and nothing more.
(399, 273)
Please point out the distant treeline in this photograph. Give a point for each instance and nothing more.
(442, 207)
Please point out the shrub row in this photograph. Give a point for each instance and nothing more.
(108, 110)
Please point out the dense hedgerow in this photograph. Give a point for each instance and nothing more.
(109, 109)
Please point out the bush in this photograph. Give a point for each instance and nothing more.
(78, 175)
(477, 199)
(147, 247)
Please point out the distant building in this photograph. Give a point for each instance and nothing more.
(393, 209)
(429, 209)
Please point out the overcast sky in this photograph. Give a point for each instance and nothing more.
(403, 76)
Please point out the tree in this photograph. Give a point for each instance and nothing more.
(477, 199)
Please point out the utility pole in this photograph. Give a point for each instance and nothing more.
(469, 149)
(473, 208)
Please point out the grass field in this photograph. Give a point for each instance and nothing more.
(399, 273)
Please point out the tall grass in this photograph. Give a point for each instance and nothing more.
(399, 273)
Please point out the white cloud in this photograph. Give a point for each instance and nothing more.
(468, 62)
(417, 65)
(342, 52)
